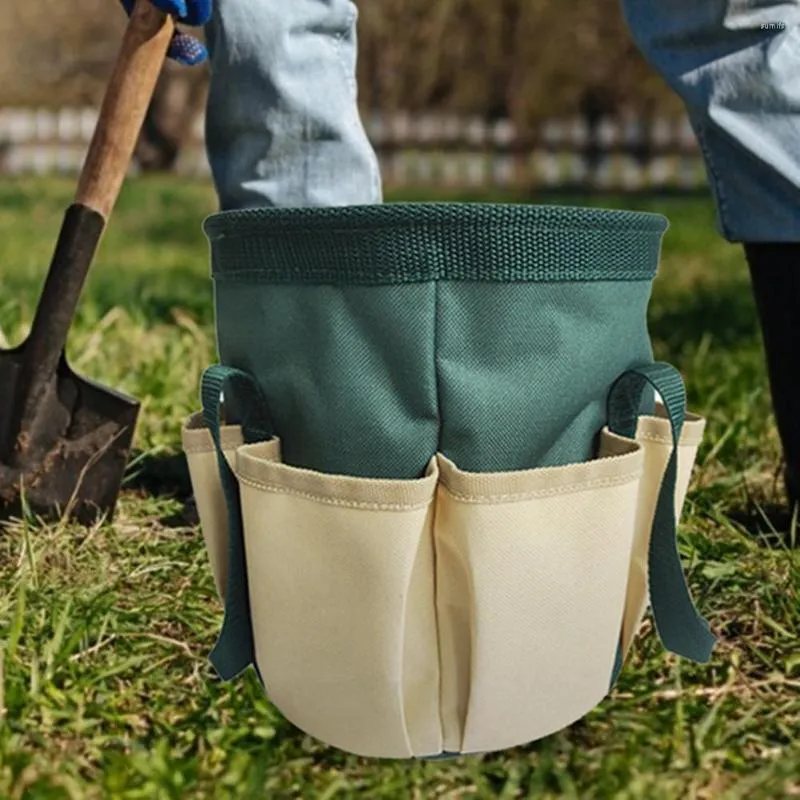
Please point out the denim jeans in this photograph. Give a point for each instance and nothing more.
(282, 123)
(283, 127)
(736, 66)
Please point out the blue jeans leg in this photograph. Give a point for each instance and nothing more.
(282, 122)
(736, 65)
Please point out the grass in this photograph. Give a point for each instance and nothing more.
(105, 688)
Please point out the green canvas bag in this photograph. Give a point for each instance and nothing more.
(435, 485)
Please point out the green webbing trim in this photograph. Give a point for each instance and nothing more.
(681, 628)
(397, 243)
(234, 650)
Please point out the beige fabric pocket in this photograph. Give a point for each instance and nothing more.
(201, 457)
(341, 577)
(465, 612)
(532, 572)
(655, 436)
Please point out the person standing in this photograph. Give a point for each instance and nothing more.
(736, 67)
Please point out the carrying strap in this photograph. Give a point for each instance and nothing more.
(234, 650)
(680, 627)
(618, 664)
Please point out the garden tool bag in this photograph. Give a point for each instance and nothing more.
(436, 488)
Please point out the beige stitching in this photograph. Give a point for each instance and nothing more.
(572, 488)
(198, 448)
(650, 437)
(202, 449)
(275, 488)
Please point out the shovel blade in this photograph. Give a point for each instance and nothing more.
(10, 366)
(80, 460)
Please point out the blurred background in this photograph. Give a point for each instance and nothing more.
(473, 95)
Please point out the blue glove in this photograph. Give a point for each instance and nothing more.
(184, 49)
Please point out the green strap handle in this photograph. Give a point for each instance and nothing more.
(234, 650)
(679, 625)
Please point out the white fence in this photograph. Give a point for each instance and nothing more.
(426, 150)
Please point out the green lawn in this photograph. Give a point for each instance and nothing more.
(105, 688)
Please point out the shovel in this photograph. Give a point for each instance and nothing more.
(65, 440)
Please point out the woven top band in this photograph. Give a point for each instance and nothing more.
(419, 242)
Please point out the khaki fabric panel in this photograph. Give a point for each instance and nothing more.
(532, 570)
(340, 571)
(655, 436)
(207, 488)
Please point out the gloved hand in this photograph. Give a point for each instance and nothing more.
(184, 49)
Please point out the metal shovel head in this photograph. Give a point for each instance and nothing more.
(73, 462)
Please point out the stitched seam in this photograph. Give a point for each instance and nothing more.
(227, 447)
(275, 488)
(232, 274)
(204, 448)
(303, 226)
(570, 489)
(337, 46)
(717, 184)
(666, 440)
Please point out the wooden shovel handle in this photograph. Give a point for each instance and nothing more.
(125, 104)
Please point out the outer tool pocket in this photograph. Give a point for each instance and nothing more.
(654, 435)
(532, 569)
(209, 497)
(341, 581)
